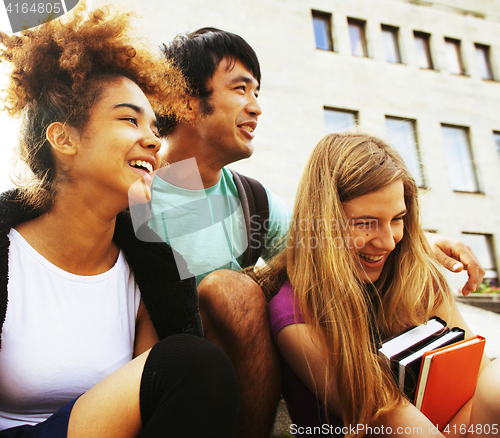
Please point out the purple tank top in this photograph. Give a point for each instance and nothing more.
(304, 408)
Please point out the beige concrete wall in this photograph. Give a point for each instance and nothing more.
(298, 81)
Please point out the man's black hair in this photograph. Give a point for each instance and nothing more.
(199, 53)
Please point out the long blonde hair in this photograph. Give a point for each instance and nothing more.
(347, 315)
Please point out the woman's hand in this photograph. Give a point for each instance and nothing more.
(298, 346)
(456, 256)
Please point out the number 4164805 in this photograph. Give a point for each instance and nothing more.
(472, 429)
(35, 8)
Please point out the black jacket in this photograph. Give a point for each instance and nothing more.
(172, 303)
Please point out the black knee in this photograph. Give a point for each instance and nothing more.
(187, 379)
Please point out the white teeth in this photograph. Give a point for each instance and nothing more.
(370, 258)
(147, 165)
(140, 163)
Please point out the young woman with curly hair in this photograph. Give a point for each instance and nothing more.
(85, 306)
(356, 269)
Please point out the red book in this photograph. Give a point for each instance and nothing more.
(448, 379)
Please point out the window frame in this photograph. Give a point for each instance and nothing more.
(361, 25)
(490, 248)
(457, 44)
(417, 152)
(496, 135)
(426, 38)
(471, 160)
(326, 17)
(394, 31)
(354, 113)
(486, 49)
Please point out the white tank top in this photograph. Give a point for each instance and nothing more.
(62, 334)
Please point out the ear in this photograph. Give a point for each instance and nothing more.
(192, 108)
(58, 134)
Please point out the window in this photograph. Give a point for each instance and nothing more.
(390, 36)
(357, 35)
(496, 137)
(339, 120)
(454, 56)
(424, 59)
(482, 245)
(322, 23)
(483, 59)
(459, 159)
(402, 135)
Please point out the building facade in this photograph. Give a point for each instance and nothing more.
(424, 74)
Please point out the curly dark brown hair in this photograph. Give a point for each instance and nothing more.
(59, 71)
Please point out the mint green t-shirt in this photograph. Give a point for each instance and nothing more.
(207, 226)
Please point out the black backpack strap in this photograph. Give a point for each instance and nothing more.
(255, 204)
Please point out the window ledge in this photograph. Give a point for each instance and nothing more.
(362, 57)
(470, 193)
(428, 69)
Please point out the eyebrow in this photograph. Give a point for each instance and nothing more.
(244, 78)
(139, 110)
(136, 108)
(401, 213)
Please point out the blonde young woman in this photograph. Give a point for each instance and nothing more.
(357, 268)
(99, 336)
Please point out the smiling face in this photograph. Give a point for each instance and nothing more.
(233, 110)
(119, 144)
(376, 225)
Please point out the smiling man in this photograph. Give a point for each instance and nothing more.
(200, 208)
(197, 205)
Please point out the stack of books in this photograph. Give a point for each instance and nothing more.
(435, 367)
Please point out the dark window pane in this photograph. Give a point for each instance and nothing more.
(402, 136)
(357, 35)
(339, 120)
(454, 56)
(391, 45)
(483, 59)
(459, 159)
(322, 31)
(496, 137)
(482, 246)
(423, 50)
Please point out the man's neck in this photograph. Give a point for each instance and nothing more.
(182, 148)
